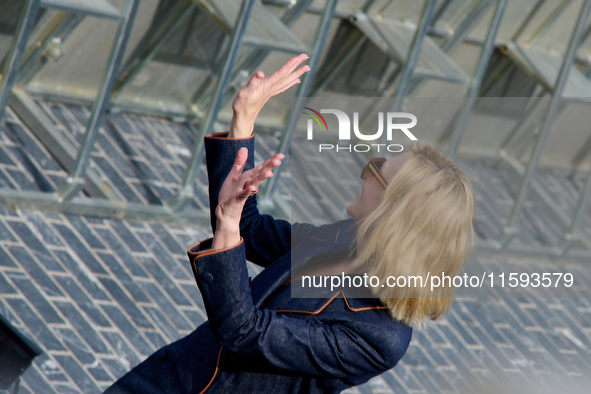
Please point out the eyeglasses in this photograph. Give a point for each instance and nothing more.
(373, 168)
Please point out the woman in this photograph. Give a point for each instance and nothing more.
(414, 215)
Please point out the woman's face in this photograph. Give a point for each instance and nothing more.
(372, 191)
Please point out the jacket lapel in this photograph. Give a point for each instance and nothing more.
(330, 239)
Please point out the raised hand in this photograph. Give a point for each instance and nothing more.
(252, 97)
(235, 190)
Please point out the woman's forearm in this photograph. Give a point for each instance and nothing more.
(241, 126)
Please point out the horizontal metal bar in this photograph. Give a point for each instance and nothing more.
(313, 9)
(433, 31)
(98, 8)
(116, 105)
(100, 207)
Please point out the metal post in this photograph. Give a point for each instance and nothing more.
(558, 10)
(460, 127)
(284, 144)
(35, 61)
(289, 17)
(387, 7)
(75, 180)
(413, 55)
(463, 27)
(412, 59)
(185, 192)
(16, 385)
(336, 65)
(253, 59)
(17, 49)
(530, 16)
(441, 10)
(524, 130)
(582, 153)
(570, 236)
(143, 54)
(509, 230)
(294, 11)
(466, 22)
(250, 62)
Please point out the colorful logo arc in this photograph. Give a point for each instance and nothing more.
(315, 118)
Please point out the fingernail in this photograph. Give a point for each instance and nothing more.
(245, 148)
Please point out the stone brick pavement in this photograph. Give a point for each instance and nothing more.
(100, 295)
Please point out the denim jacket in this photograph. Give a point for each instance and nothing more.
(259, 339)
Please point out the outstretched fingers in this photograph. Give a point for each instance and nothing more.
(283, 89)
(257, 180)
(287, 69)
(292, 79)
(263, 171)
(270, 163)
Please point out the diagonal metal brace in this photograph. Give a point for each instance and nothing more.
(62, 150)
(75, 179)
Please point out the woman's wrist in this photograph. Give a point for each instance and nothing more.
(226, 235)
(240, 127)
(225, 238)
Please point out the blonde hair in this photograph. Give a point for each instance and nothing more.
(422, 226)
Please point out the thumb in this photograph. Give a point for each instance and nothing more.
(240, 161)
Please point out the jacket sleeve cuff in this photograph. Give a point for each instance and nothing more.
(203, 248)
(221, 151)
(203, 259)
(224, 136)
(222, 278)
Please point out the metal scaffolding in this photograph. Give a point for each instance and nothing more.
(184, 60)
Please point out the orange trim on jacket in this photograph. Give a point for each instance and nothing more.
(328, 303)
(223, 135)
(214, 372)
(207, 252)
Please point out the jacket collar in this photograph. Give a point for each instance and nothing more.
(335, 238)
